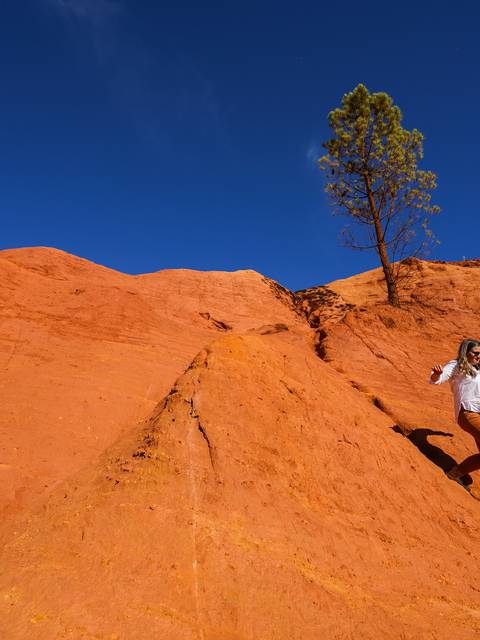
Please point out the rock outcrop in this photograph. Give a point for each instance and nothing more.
(386, 353)
(234, 485)
(86, 352)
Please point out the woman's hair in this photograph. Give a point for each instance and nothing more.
(463, 363)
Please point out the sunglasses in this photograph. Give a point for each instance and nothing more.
(475, 353)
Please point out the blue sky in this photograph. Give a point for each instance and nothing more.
(146, 135)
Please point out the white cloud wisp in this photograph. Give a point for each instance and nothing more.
(93, 11)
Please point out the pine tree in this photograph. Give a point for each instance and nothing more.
(374, 179)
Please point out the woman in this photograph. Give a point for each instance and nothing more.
(464, 377)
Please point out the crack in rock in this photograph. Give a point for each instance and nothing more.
(219, 324)
(202, 430)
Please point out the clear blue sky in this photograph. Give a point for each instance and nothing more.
(145, 135)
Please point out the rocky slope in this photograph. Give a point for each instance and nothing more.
(86, 352)
(387, 353)
(233, 484)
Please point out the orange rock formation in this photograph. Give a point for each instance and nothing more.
(179, 462)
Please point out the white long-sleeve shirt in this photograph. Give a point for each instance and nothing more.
(465, 389)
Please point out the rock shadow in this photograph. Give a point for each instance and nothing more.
(419, 437)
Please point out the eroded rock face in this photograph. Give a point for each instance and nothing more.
(87, 352)
(263, 498)
(234, 485)
(387, 353)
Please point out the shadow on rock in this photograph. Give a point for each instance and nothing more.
(419, 437)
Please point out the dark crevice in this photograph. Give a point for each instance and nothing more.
(323, 307)
(210, 448)
(218, 324)
(375, 400)
(379, 404)
(294, 392)
(201, 428)
(320, 346)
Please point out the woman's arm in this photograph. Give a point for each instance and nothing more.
(441, 374)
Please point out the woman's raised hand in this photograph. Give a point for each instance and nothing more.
(437, 371)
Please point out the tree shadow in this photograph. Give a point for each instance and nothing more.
(419, 437)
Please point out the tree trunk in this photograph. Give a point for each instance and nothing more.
(390, 279)
(392, 291)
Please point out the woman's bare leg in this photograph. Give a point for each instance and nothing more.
(469, 422)
(470, 464)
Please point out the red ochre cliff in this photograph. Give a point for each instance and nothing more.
(190, 455)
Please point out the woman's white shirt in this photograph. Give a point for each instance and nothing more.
(465, 389)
